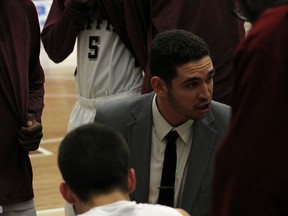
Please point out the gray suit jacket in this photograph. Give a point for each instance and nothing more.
(133, 118)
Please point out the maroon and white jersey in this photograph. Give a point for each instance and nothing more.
(104, 65)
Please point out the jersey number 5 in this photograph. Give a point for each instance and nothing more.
(94, 41)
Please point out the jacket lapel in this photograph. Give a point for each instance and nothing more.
(204, 138)
(139, 140)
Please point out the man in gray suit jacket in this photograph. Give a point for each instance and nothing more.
(182, 79)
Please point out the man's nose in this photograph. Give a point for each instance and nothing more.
(205, 91)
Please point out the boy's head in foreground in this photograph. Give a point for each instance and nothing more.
(94, 161)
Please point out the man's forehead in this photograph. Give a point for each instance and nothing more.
(204, 63)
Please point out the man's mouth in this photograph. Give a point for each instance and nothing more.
(205, 107)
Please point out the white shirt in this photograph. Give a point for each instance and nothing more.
(183, 145)
(131, 208)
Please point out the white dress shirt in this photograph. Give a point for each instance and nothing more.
(160, 128)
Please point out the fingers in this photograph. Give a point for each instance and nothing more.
(33, 127)
(29, 145)
(30, 136)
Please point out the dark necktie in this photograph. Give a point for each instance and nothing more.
(166, 193)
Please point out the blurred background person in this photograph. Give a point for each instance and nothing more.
(106, 67)
(251, 175)
(21, 95)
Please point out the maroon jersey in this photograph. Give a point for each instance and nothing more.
(251, 171)
(21, 92)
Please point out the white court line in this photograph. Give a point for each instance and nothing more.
(60, 77)
(43, 152)
(50, 211)
(61, 95)
(47, 141)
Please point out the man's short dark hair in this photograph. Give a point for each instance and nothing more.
(94, 159)
(171, 49)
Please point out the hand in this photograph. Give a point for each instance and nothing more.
(30, 136)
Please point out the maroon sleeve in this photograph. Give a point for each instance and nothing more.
(36, 74)
(130, 19)
(137, 17)
(64, 22)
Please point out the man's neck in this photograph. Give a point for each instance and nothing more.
(100, 200)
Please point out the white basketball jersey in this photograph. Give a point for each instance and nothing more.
(104, 65)
(131, 208)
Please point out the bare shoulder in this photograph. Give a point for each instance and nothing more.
(183, 212)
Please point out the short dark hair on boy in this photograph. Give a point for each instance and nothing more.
(94, 159)
(171, 49)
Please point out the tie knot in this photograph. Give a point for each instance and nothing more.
(172, 136)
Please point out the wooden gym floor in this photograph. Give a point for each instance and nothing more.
(60, 96)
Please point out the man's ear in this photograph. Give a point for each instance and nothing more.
(67, 193)
(183, 212)
(131, 180)
(159, 86)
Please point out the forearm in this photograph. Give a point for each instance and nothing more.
(36, 90)
(36, 99)
(36, 74)
(64, 22)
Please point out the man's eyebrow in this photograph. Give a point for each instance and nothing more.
(192, 79)
(189, 80)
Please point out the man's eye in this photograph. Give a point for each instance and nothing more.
(211, 77)
(193, 84)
